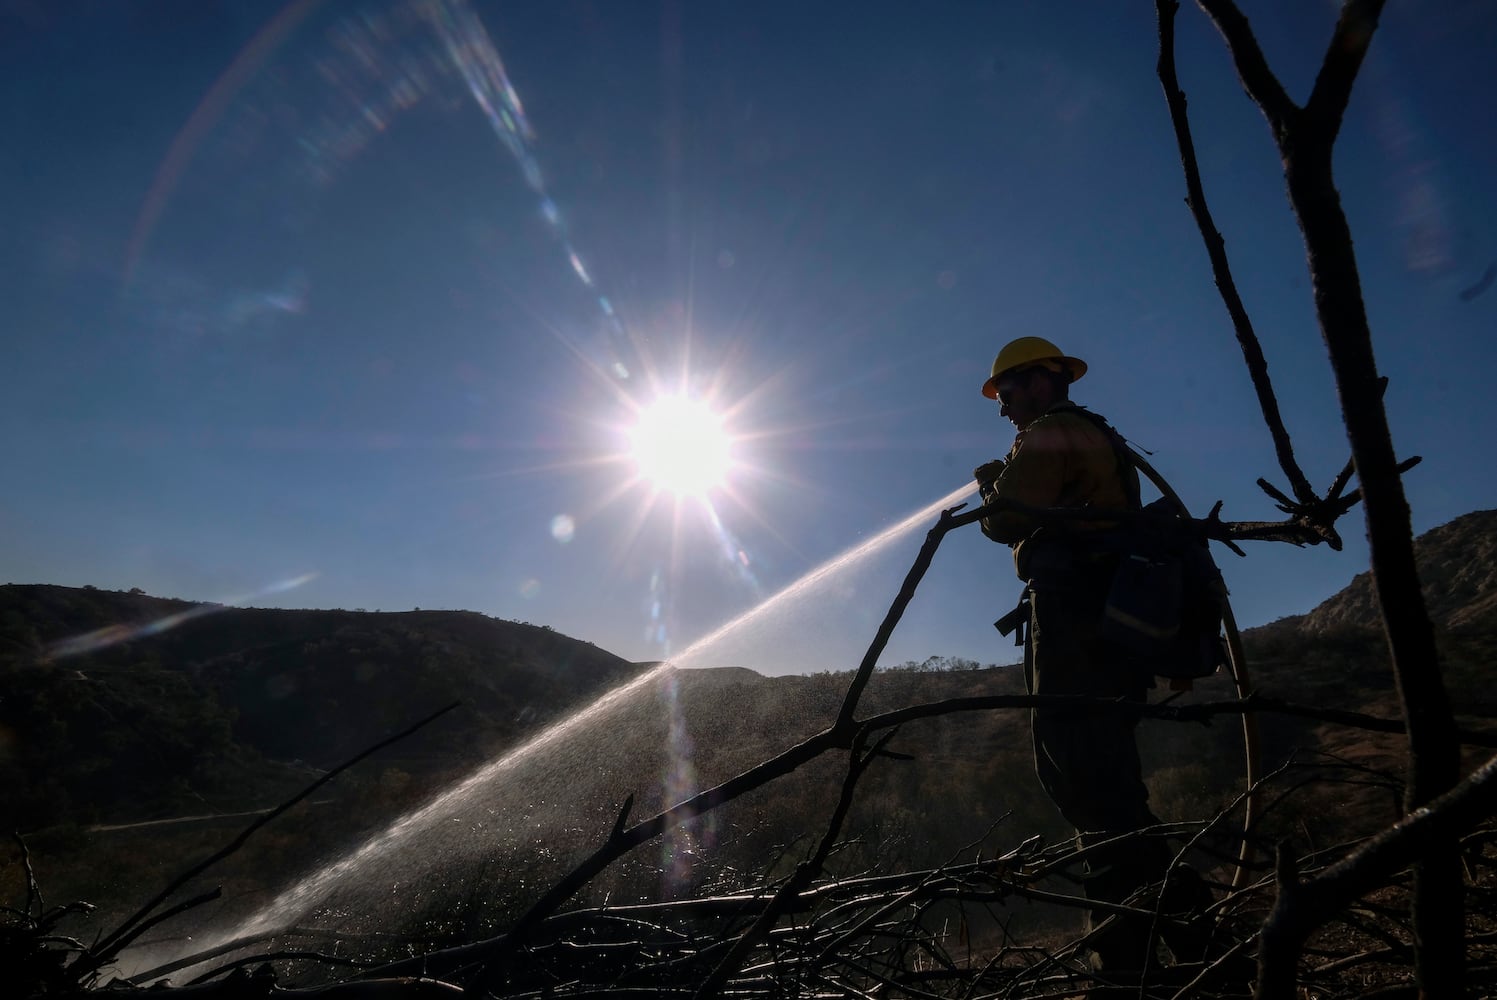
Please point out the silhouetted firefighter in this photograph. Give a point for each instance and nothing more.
(1083, 602)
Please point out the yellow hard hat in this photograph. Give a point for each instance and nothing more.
(1029, 351)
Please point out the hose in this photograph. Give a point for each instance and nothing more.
(1237, 661)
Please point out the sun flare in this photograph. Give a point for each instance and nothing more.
(681, 446)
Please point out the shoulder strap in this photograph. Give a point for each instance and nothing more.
(1127, 471)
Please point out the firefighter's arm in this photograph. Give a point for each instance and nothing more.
(1034, 476)
(987, 475)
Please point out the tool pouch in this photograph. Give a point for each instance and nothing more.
(1143, 608)
(1016, 620)
(1166, 603)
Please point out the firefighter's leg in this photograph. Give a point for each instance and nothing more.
(1088, 763)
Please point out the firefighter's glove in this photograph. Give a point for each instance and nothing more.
(987, 473)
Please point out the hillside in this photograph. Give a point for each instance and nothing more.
(233, 709)
(1457, 574)
(124, 706)
(1335, 657)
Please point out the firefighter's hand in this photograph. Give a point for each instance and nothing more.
(988, 472)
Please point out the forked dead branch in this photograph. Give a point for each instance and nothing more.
(1305, 136)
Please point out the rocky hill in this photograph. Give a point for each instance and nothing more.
(1457, 572)
(1335, 656)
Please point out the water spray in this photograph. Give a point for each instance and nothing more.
(820, 573)
(279, 915)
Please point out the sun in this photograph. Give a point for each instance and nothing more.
(681, 446)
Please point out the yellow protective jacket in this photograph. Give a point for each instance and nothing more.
(1062, 459)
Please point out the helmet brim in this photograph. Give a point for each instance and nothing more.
(1074, 367)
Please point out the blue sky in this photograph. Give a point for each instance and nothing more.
(364, 296)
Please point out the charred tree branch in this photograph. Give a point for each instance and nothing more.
(1202, 712)
(1305, 140)
(1252, 350)
(1305, 905)
(1343, 59)
(1258, 80)
(805, 873)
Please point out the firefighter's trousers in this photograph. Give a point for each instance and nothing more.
(1088, 763)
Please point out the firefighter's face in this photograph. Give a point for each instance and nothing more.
(1023, 395)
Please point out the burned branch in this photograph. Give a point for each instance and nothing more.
(1305, 138)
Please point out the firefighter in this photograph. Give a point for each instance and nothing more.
(1087, 761)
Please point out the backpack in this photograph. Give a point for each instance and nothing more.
(1167, 599)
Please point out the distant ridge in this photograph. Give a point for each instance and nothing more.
(150, 725)
(106, 692)
(1457, 570)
